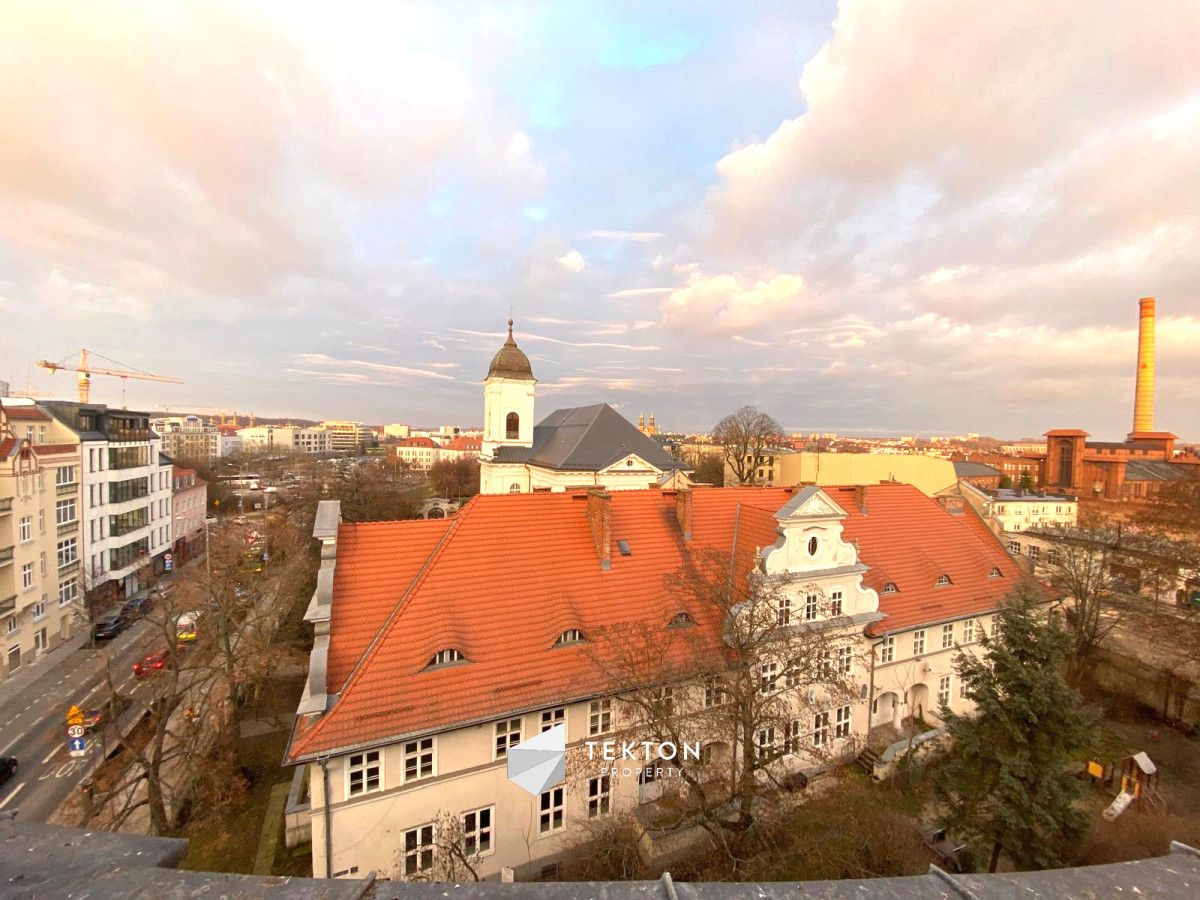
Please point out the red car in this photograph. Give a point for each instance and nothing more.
(152, 664)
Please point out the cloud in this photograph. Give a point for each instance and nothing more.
(640, 292)
(734, 302)
(525, 336)
(401, 372)
(638, 237)
(572, 261)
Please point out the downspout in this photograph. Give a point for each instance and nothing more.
(323, 762)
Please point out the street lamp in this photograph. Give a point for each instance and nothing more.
(207, 558)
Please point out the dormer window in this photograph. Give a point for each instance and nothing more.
(943, 580)
(570, 636)
(995, 573)
(889, 588)
(680, 619)
(446, 657)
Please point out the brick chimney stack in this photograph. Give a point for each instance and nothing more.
(683, 512)
(860, 498)
(1143, 399)
(599, 516)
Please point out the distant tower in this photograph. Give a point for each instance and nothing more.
(1143, 398)
(508, 395)
(653, 428)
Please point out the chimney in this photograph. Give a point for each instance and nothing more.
(860, 498)
(683, 511)
(599, 516)
(1143, 398)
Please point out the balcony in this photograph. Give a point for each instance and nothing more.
(68, 568)
(5, 505)
(6, 555)
(130, 434)
(68, 487)
(8, 604)
(68, 527)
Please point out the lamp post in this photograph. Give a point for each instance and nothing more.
(207, 558)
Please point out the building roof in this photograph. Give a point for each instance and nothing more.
(1157, 470)
(25, 412)
(1020, 495)
(428, 443)
(507, 575)
(1066, 432)
(966, 469)
(587, 439)
(510, 360)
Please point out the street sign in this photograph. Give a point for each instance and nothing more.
(168, 562)
(77, 746)
(75, 731)
(74, 716)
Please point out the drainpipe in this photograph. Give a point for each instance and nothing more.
(323, 762)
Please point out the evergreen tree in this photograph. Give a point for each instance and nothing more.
(1007, 784)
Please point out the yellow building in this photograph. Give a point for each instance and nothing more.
(928, 474)
(40, 586)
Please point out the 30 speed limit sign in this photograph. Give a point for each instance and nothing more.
(75, 731)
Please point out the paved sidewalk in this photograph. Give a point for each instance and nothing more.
(21, 683)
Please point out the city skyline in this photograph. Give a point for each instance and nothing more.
(332, 217)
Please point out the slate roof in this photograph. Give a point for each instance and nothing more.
(1156, 470)
(967, 469)
(507, 575)
(588, 439)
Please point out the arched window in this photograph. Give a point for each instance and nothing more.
(1066, 464)
(512, 426)
(445, 657)
(995, 573)
(889, 588)
(514, 488)
(570, 636)
(943, 580)
(437, 513)
(680, 619)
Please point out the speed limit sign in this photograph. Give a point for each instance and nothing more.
(75, 731)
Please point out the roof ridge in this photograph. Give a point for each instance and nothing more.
(351, 680)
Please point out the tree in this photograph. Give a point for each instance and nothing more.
(1006, 481)
(708, 468)
(1007, 783)
(744, 437)
(454, 479)
(739, 671)
(1025, 482)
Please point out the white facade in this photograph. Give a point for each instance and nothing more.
(507, 413)
(351, 436)
(626, 474)
(1011, 510)
(285, 439)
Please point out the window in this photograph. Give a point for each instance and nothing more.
(514, 488)
(477, 831)
(550, 810)
(791, 736)
(600, 717)
(365, 773)
(962, 688)
(813, 544)
(679, 620)
(887, 650)
(918, 642)
(41, 521)
(663, 698)
(1014, 547)
(820, 733)
(792, 674)
(835, 603)
(445, 657)
(599, 796)
(39, 610)
(552, 717)
(418, 759)
(969, 631)
(68, 591)
(995, 573)
(64, 475)
(714, 692)
(512, 426)
(1052, 556)
(26, 576)
(944, 690)
(810, 607)
(943, 580)
(570, 636)
(765, 743)
(418, 850)
(841, 722)
(768, 674)
(25, 529)
(68, 552)
(42, 563)
(64, 511)
(995, 625)
(1034, 552)
(14, 656)
(783, 611)
(947, 636)
(889, 588)
(508, 734)
(845, 659)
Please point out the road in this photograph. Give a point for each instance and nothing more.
(33, 726)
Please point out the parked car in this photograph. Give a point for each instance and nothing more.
(955, 856)
(152, 664)
(136, 608)
(8, 768)
(109, 625)
(186, 626)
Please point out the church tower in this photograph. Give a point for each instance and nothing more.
(508, 399)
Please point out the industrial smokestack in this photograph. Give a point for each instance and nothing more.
(1143, 398)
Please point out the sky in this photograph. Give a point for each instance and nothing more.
(867, 217)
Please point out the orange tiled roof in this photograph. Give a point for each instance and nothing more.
(505, 577)
(26, 412)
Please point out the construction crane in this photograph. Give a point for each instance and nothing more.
(86, 371)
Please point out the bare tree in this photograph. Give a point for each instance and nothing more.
(744, 437)
(455, 478)
(443, 850)
(742, 667)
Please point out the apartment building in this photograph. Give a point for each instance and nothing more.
(125, 495)
(189, 504)
(350, 437)
(285, 439)
(488, 645)
(189, 438)
(39, 533)
(418, 453)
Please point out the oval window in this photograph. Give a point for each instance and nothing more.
(812, 546)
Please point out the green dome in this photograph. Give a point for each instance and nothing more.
(511, 361)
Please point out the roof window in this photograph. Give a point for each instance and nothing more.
(446, 657)
(680, 619)
(943, 579)
(889, 588)
(995, 573)
(570, 636)
(623, 546)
